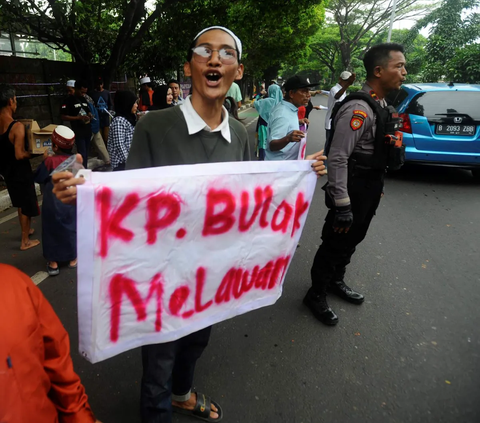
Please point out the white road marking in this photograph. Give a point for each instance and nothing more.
(13, 215)
(249, 123)
(39, 277)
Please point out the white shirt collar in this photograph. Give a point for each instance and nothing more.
(196, 124)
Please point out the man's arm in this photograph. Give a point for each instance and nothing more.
(66, 391)
(294, 136)
(348, 82)
(340, 92)
(17, 137)
(140, 156)
(279, 139)
(349, 128)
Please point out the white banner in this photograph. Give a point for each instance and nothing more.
(303, 143)
(164, 252)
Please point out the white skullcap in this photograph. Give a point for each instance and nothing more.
(345, 75)
(145, 80)
(235, 38)
(71, 83)
(63, 137)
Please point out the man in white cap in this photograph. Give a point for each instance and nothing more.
(337, 94)
(198, 131)
(70, 87)
(146, 94)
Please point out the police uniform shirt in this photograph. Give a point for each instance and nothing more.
(355, 126)
(71, 107)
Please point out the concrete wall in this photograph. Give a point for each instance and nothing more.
(40, 85)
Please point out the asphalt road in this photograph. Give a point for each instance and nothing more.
(410, 353)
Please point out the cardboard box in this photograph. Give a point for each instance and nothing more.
(37, 140)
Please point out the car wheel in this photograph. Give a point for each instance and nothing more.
(476, 173)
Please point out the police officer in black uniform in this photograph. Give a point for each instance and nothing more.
(360, 150)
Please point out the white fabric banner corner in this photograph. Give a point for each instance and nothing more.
(164, 252)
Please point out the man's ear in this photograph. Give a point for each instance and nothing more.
(239, 73)
(378, 71)
(186, 69)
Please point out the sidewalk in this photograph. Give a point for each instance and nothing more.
(5, 202)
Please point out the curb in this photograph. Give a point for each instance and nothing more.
(246, 106)
(6, 203)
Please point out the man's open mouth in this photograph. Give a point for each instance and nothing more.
(213, 76)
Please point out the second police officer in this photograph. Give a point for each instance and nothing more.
(363, 143)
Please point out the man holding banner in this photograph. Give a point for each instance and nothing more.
(198, 131)
(285, 140)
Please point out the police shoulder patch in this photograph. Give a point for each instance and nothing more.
(360, 113)
(356, 122)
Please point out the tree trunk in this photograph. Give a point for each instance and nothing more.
(270, 74)
(346, 55)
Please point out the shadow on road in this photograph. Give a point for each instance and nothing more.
(434, 174)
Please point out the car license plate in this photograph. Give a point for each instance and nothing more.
(466, 130)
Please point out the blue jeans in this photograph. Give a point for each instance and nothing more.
(168, 369)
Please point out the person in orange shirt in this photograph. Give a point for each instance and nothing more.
(146, 94)
(37, 380)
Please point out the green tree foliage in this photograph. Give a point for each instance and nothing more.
(326, 53)
(91, 30)
(271, 31)
(465, 65)
(450, 32)
(360, 21)
(125, 35)
(455, 25)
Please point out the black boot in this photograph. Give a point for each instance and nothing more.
(319, 307)
(343, 291)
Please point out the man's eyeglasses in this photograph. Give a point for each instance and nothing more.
(202, 54)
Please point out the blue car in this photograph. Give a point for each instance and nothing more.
(441, 124)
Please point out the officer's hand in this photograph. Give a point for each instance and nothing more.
(296, 136)
(343, 219)
(352, 78)
(65, 185)
(319, 165)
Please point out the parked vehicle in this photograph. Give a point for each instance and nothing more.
(441, 124)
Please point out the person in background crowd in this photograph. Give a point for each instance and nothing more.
(175, 86)
(302, 120)
(15, 166)
(284, 135)
(75, 110)
(59, 223)
(231, 107)
(70, 87)
(264, 107)
(121, 129)
(70, 91)
(37, 380)
(97, 139)
(162, 98)
(337, 94)
(103, 103)
(234, 91)
(203, 133)
(310, 107)
(146, 94)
